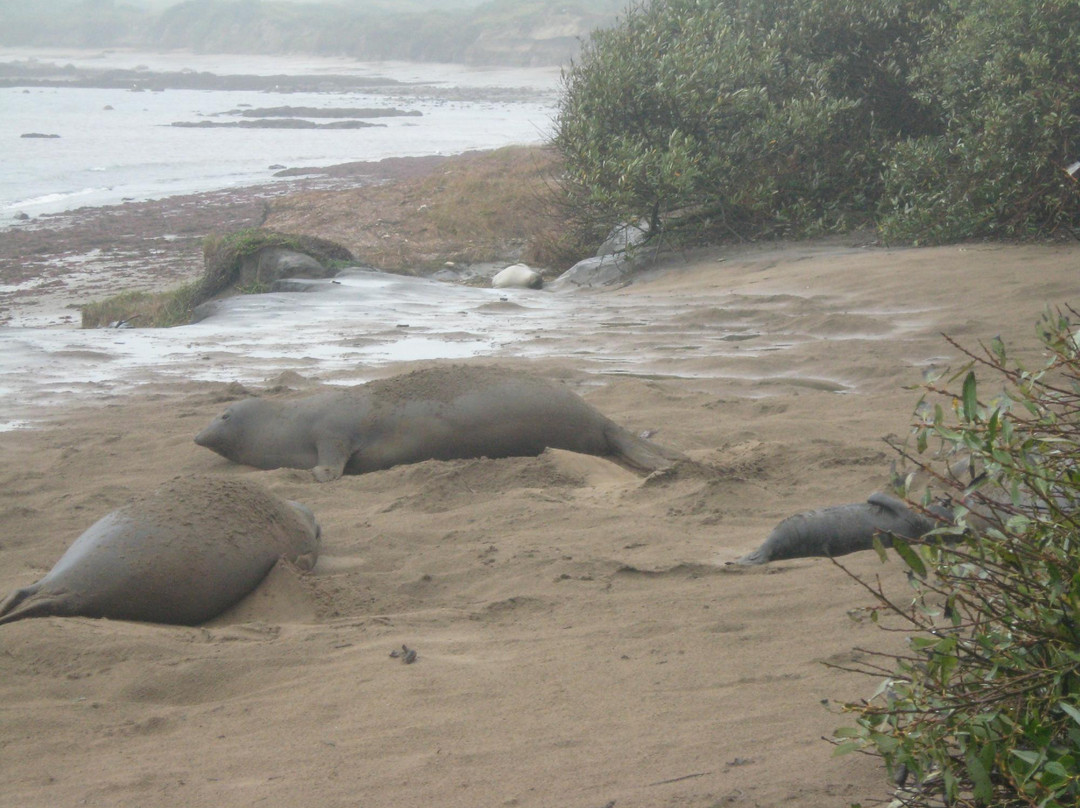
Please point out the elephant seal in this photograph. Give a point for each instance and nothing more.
(519, 276)
(843, 529)
(440, 413)
(182, 554)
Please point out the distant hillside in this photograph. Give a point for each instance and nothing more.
(506, 32)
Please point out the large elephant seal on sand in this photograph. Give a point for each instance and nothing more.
(183, 554)
(843, 529)
(439, 413)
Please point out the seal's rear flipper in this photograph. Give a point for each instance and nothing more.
(21, 603)
(17, 597)
(639, 453)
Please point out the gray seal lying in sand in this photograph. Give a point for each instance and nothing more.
(182, 554)
(439, 413)
(843, 529)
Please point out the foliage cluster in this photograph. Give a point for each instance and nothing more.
(944, 119)
(984, 706)
(1004, 78)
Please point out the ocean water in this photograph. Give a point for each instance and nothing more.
(117, 145)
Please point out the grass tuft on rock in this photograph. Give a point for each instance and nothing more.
(142, 309)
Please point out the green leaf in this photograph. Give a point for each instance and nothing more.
(1029, 757)
(998, 348)
(879, 548)
(847, 732)
(1072, 711)
(909, 556)
(981, 787)
(846, 748)
(886, 744)
(1055, 768)
(970, 399)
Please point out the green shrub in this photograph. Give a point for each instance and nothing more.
(938, 120)
(741, 117)
(983, 709)
(1004, 77)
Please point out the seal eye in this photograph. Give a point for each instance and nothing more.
(225, 416)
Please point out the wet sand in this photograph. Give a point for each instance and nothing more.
(581, 640)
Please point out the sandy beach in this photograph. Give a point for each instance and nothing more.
(581, 639)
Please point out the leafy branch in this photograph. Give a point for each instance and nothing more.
(984, 707)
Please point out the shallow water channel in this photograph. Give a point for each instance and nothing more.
(343, 330)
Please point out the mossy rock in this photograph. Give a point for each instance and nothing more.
(251, 260)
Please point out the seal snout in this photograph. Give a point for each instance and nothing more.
(209, 438)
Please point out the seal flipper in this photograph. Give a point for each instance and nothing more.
(17, 597)
(21, 603)
(639, 453)
(912, 524)
(325, 474)
(889, 503)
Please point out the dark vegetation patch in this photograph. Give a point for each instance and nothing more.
(933, 120)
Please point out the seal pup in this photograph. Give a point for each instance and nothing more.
(440, 413)
(843, 529)
(182, 554)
